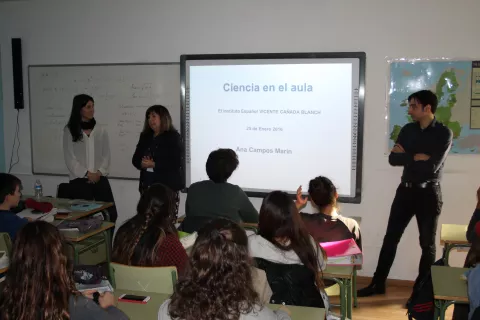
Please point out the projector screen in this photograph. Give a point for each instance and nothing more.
(289, 118)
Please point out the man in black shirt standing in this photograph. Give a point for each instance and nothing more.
(421, 148)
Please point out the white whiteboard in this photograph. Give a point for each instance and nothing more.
(122, 93)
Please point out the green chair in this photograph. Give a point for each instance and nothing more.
(149, 279)
(5, 243)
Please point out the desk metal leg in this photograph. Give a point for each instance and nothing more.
(106, 215)
(441, 307)
(106, 236)
(437, 309)
(348, 292)
(343, 295)
(75, 252)
(343, 301)
(446, 253)
(354, 287)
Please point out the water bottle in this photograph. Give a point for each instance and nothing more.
(38, 189)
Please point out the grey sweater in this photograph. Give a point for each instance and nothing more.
(259, 314)
(81, 308)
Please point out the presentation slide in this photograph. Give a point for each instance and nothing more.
(288, 121)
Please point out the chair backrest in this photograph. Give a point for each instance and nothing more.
(252, 227)
(63, 191)
(356, 218)
(5, 243)
(149, 279)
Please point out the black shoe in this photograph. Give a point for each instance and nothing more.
(371, 290)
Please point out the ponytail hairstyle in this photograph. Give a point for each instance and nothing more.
(137, 241)
(279, 218)
(322, 192)
(218, 284)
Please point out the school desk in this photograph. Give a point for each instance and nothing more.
(448, 288)
(149, 311)
(453, 236)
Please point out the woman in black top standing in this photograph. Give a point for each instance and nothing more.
(158, 155)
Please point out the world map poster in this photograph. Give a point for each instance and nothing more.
(457, 86)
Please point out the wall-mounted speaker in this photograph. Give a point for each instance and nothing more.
(17, 73)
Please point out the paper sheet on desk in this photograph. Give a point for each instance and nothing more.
(101, 287)
(28, 214)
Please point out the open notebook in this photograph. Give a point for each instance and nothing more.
(33, 216)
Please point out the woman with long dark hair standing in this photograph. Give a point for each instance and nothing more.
(150, 239)
(86, 150)
(39, 283)
(159, 151)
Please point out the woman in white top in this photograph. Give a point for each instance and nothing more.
(87, 154)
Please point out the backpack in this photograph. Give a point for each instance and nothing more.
(421, 303)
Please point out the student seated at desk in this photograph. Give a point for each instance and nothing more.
(291, 258)
(216, 198)
(473, 220)
(39, 283)
(462, 311)
(326, 224)
(473, 275)
(150, 239)
(219, 282)
(10, 194)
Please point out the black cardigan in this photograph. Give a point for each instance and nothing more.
(167, 155)
(291, 284)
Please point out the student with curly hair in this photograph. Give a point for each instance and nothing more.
(218, 284)
(39, 284)
(150, 239)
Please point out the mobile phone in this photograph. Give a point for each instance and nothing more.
(133, 298)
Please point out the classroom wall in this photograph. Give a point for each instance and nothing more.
(100, 31)
(2, 146)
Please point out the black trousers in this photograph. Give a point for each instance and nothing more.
(423, 203)
(100, 191)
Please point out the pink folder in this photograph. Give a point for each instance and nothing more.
(343, 253)
(341, 248)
